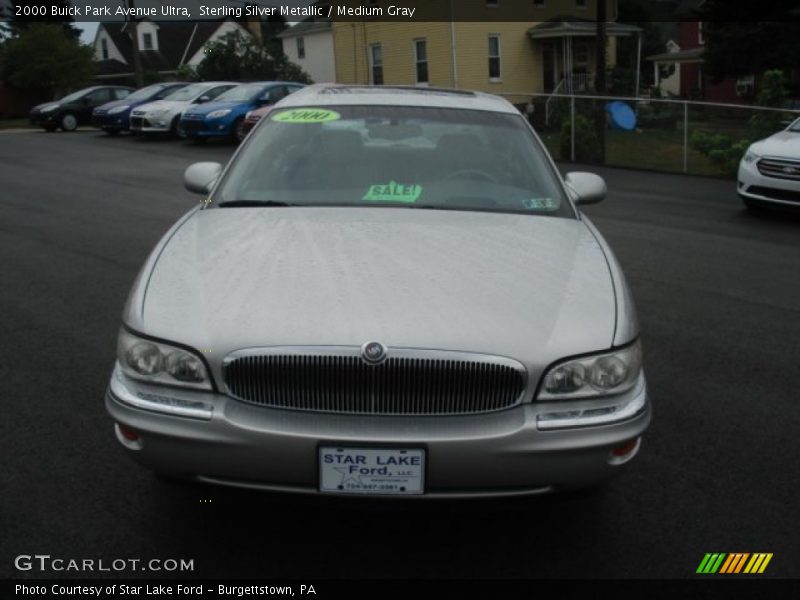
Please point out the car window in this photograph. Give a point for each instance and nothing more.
(290, 89)
(795, 127)
(188, 93)
(273, 94)
(121, 93)
(166, 92)
(242, 93)
(214, 92)
(99, 96)
(144, 93)
(396, 156)
(73, 96)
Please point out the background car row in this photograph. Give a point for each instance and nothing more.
(199, 111)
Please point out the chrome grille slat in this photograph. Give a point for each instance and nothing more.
(408, 382)
(774, 167)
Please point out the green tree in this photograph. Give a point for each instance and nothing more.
(737, 45)
(44, 56)
(242, 58)
(772, 94)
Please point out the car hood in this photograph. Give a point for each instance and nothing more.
(530, 287)
(784, 144)
(114, 103)
(208, 107)
(164, 105)
(39, 107)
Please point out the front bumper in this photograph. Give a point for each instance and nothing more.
(43, 119)
(497, 454)
(206, 127)
(755, 186)
(118, 122)
(144, 123)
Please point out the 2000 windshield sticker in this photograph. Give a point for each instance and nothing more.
(306, 115)
(393, 192)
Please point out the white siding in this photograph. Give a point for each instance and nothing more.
(113, 51)
(224, 28)
(319, 62)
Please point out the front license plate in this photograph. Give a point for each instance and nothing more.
(395, 471)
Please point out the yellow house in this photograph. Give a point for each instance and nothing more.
(510, 47)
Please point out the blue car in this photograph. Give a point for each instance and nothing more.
(224, 118)
(113, 117)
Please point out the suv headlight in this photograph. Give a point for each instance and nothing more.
(603, 374)
(216, 114)
(158, 362)
(118, 109)
(750, 156)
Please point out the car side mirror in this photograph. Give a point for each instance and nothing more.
(586, 188)
(203, 99)
(200, 177)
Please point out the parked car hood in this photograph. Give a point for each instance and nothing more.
(531, 287)
(204, 109)
(168, 105)
(784, 144)
(114, 103)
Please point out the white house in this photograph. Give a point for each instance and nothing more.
(309, 44)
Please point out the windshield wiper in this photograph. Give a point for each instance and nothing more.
(236, 203)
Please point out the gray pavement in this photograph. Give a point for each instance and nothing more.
(718, 292)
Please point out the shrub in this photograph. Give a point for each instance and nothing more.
(587, 144)
(722, 150)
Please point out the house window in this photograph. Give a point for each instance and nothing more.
(301, 47)
(494, 58)
(376, 64)
(147, 39)
(421, 60)
(538, 3)
(104, 48)
(580, 4)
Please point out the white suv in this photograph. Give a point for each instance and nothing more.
(769, 173)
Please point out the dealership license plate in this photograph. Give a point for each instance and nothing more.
(396, 471)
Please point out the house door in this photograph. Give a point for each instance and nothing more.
(548, 66)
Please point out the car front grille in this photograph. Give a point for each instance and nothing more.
(780, 168)
(408, 382)
(188, 125)
(775, 194)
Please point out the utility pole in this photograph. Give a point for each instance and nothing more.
(137, 60)
(600, 77)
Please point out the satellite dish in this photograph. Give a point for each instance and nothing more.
(621, 116)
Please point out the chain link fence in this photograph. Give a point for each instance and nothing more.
(676, 136)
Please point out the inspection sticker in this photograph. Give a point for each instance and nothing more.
(306, 115)
(393, 192)
(540, 203)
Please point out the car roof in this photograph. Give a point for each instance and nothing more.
(386, 95)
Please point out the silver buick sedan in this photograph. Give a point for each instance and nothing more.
(387, 291)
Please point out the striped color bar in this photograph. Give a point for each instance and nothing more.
(734, 563)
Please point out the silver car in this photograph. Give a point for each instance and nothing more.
(390, 292)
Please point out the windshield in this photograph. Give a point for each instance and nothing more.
(242, 93)
(145, 93)
(190, 92)
(795, 127)
(75, 96)
(409, 157)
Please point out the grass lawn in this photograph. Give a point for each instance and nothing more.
(14, 123)
(650, 149)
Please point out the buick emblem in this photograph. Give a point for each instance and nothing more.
(373, 352)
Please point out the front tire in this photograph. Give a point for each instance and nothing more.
(68, 122)
(175, 129)
(238, 130)
(752, 205)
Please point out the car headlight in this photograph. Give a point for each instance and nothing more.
(49, 108)
(750, 156)
(216, 114)
(119, 109)
(604, 374)
(158, 362)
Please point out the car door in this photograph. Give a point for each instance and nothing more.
(86, 105)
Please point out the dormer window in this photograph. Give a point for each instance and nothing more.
(147, 41)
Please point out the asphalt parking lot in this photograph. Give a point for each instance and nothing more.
(718, 293)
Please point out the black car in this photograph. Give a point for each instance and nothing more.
(76, 108)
